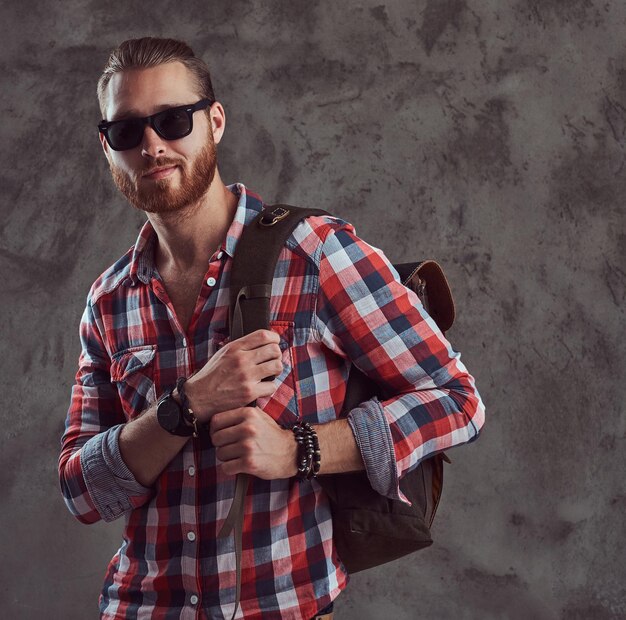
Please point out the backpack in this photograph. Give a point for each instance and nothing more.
(368, 528)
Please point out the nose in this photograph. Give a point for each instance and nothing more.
(152, 144)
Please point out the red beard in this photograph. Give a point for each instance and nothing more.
(159, 197)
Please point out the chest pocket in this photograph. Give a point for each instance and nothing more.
(132, 371)
(283, 405)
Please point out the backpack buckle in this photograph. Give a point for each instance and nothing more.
(273, 217)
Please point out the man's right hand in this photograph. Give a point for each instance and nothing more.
(233, 377)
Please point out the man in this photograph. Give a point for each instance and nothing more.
(158, 316)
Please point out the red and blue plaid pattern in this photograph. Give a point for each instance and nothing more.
(335, 301)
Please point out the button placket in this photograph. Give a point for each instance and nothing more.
(189, 522)
(161, 293)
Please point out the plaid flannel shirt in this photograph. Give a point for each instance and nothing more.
(335, 301)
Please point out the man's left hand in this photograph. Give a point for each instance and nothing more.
(250, 441)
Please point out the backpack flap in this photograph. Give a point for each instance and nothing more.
(370, 529)
(428, 281)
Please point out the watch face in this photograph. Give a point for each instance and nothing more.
(168, 414)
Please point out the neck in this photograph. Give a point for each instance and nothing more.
(189, 237)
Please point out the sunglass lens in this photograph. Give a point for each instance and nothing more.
(126, 134)
(173, 124)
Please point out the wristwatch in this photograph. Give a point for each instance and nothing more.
(171, 416)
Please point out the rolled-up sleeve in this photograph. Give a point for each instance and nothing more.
(95, 482)
(364, 313)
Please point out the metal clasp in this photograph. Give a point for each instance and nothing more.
(269, 219)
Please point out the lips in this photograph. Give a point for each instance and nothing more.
(159, 173)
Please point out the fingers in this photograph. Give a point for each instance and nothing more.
(228, 419)
(263, 361)
(236, 466)
(261, 358)
(266, 353)
(233, 435)
(231, 452)
(269, 369)
(259, 338)
(263, 389)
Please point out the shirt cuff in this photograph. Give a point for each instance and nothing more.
(373, 437)
(110, 483)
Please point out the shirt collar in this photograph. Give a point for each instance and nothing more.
(249, 206)
(142, 260)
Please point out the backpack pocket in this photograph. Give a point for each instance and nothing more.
(132, 371)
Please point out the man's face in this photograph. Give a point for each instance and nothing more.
(159, 175)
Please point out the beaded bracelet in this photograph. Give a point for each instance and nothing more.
(309, 456)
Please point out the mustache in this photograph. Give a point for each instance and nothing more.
(159, 162)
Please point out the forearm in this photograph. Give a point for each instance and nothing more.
(147, 448)
(394, 436)
(95, 481)
(338, 447)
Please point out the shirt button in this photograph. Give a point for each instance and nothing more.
(191, 536)
(193, 599)
(211, 281)
(220, 254)
(191, 471)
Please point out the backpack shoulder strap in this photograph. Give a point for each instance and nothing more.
(251, 279)
(254, 264)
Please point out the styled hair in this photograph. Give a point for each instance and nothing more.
(150, 52)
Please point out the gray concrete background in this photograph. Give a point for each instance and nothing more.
(489, 135)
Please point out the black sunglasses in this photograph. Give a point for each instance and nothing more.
(170, 124)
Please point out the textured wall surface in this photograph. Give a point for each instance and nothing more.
(489, 135)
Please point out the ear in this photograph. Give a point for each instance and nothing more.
(217, 116)
(105, 146)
